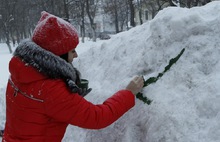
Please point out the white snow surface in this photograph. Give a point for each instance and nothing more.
(186, 100)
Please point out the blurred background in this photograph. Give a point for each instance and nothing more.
(92, 18)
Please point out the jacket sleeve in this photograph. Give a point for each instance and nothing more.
(73, 109)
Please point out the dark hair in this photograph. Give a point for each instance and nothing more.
(64, 56)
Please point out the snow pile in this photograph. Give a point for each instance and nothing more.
(185, 105)
(185, 100)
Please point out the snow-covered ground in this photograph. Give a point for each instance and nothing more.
(185, 105)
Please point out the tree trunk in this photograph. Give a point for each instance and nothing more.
(93, 35)
(17, 36)
(92, 24)
(66, 11)
(8, 41)
(116, 18)
(52, 6)
(132, 15)
(140, 11)
(140, 17)
(171, 3)
(83, 21)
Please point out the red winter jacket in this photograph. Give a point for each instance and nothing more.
(45, 107)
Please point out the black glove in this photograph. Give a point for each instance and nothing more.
(75, 89)
(72, 86)
(83, 92)
(1, 133)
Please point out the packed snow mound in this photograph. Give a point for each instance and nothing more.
(185, 105)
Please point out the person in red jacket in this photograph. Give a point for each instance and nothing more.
(43, 97)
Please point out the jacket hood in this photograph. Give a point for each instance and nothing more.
(31, 63)
(20, 72)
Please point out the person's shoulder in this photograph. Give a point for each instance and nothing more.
(56, 86)
(56, 89)
(54, 83)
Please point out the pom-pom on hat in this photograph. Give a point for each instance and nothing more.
(55, 34)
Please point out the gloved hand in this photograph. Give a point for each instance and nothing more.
(1, 133)
(135, 85)
(83, 92)
(76, 89)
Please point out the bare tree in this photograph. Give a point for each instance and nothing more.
(91, 8)
(82, 25)
(66, 10)
(111, 7)
(119, 13)
(77, 15)
(19, 17)
(7, 20)
(139, 6)
(132, 12)
(154, 6)
(192, 3)
(123, 14)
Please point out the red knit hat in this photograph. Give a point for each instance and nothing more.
(55, 34)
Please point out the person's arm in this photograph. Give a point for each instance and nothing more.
(63, 106)
(99, 116)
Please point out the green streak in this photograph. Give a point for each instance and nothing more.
(154, 79)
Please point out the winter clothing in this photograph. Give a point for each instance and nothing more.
(42, 95)
(55, 34)
(40, 102)
(1, 133)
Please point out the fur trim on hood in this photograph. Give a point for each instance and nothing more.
(48, 63)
